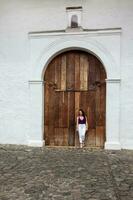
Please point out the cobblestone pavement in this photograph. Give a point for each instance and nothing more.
(65, 174)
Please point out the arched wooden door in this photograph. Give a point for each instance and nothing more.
(74, 80)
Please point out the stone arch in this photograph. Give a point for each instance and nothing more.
(65, 50)
(66, 44)
(113, 86)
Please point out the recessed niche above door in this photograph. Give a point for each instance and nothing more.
(74, 17)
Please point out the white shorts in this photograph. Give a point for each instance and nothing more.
(81, 131)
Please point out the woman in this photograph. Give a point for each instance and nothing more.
(82, 126)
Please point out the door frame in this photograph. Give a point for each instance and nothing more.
(51, 136)
(112, 87)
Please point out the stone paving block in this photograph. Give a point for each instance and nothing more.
(28, 173)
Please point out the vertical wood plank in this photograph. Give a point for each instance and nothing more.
(92, 117)
(77, 71)
(58, 72)
(65, 137)
(46, 135)
(99, 136)
(91, 138)
(70, 71)
(60, 109)
(83, 101)
(86, 68)
(92, 73)
(51, 102)
(63, 110)
(46, 106)
(57, 137)
(71, 134)
(56, 109)
(81, 72)
(103, 103)
(103, 95)
(77, 104)
(98, 94)
(63, 72)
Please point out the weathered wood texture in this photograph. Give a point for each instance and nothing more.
(74, 80)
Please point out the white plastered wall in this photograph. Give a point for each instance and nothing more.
(18, 18)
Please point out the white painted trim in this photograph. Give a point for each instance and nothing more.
(112, 114)
(112, 145)
(35, 137)
(98, 32)
(128, 144)
(113, 80)
(36, 143)
(63, 44)
(36, 82)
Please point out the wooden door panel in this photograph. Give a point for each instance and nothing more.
(57, 72)
(56, 110)
(51, 116)
(100, 136)
(46, 106)
(65, 138)
(63, 72)
(46, 131)
(70, 71)
(63, 104)
(84, 72)
(91, 138)
(77, 71)
(71, 118)
(61, 137)
(74, 80)
(77, 107)
(92, 73)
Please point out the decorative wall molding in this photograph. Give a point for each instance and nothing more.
(36, 82)
(36, 143)
(62, 44)
(113, 80)
(113, 145)
(89, 32)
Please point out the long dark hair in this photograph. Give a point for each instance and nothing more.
(83, 113)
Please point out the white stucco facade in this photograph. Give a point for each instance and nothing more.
(26, 49)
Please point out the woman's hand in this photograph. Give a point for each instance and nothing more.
(86, 127)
